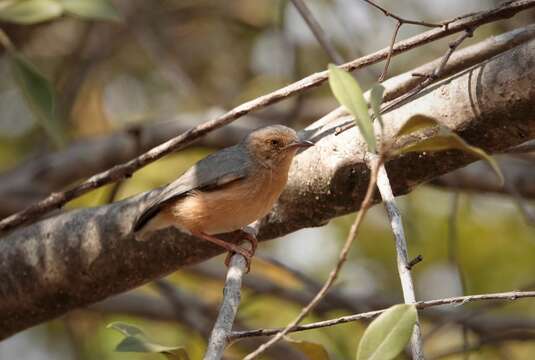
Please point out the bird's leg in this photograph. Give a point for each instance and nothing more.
(231, 248)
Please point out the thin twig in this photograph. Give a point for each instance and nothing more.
(389, 57)
(229, 307)
(399, 22)
(459, 300)
(430, 78)
(407, 286)
(318, 32)
(366, 203)
(57, 200)
(403, 20)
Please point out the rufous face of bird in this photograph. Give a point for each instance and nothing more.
(274, 145)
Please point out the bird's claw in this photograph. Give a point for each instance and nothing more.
(252, 240)
(246, 253)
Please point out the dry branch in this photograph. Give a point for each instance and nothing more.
(229, 307)
(84, 256)
(404, 269)
(507, 296)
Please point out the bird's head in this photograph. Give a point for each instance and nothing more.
(273, 145)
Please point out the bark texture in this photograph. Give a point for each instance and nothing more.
(84, 256)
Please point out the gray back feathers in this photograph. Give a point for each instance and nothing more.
(215, 170)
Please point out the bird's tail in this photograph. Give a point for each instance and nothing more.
(157, 222)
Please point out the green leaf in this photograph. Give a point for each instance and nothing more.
(376, 99)
(312, 351)
(136, 341)
(449, 140)
(415, 123)
(39, 95)
(92, 9)
(27, 12)
(349, 94)
(387, 335)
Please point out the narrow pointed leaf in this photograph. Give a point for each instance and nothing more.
(349, 94)
(447, 141)
(136, 341)
(311, 350)
(92, 9)
(27, 12)
(415, 123)
(387, 335)
(39, 95)
(376, 99)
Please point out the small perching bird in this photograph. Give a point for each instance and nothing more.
(227, 190)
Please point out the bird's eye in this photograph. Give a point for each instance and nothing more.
(275, 142)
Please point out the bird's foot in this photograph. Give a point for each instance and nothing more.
(232, 249)
(246, 253)
(251, 238)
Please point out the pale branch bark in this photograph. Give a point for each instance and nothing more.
(119, 172)
(83, 256)
(41, 175)
(404, 270)
(459, 300)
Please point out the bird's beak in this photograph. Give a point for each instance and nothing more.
(300, 144)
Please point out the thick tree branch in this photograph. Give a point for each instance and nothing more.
(124, 170)
(86, 255)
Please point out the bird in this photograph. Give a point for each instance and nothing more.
(226, 191)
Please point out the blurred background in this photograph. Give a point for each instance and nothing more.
(125, 86)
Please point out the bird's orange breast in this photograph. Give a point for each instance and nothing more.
(230, 207)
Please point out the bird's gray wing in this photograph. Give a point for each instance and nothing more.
(217, 169)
